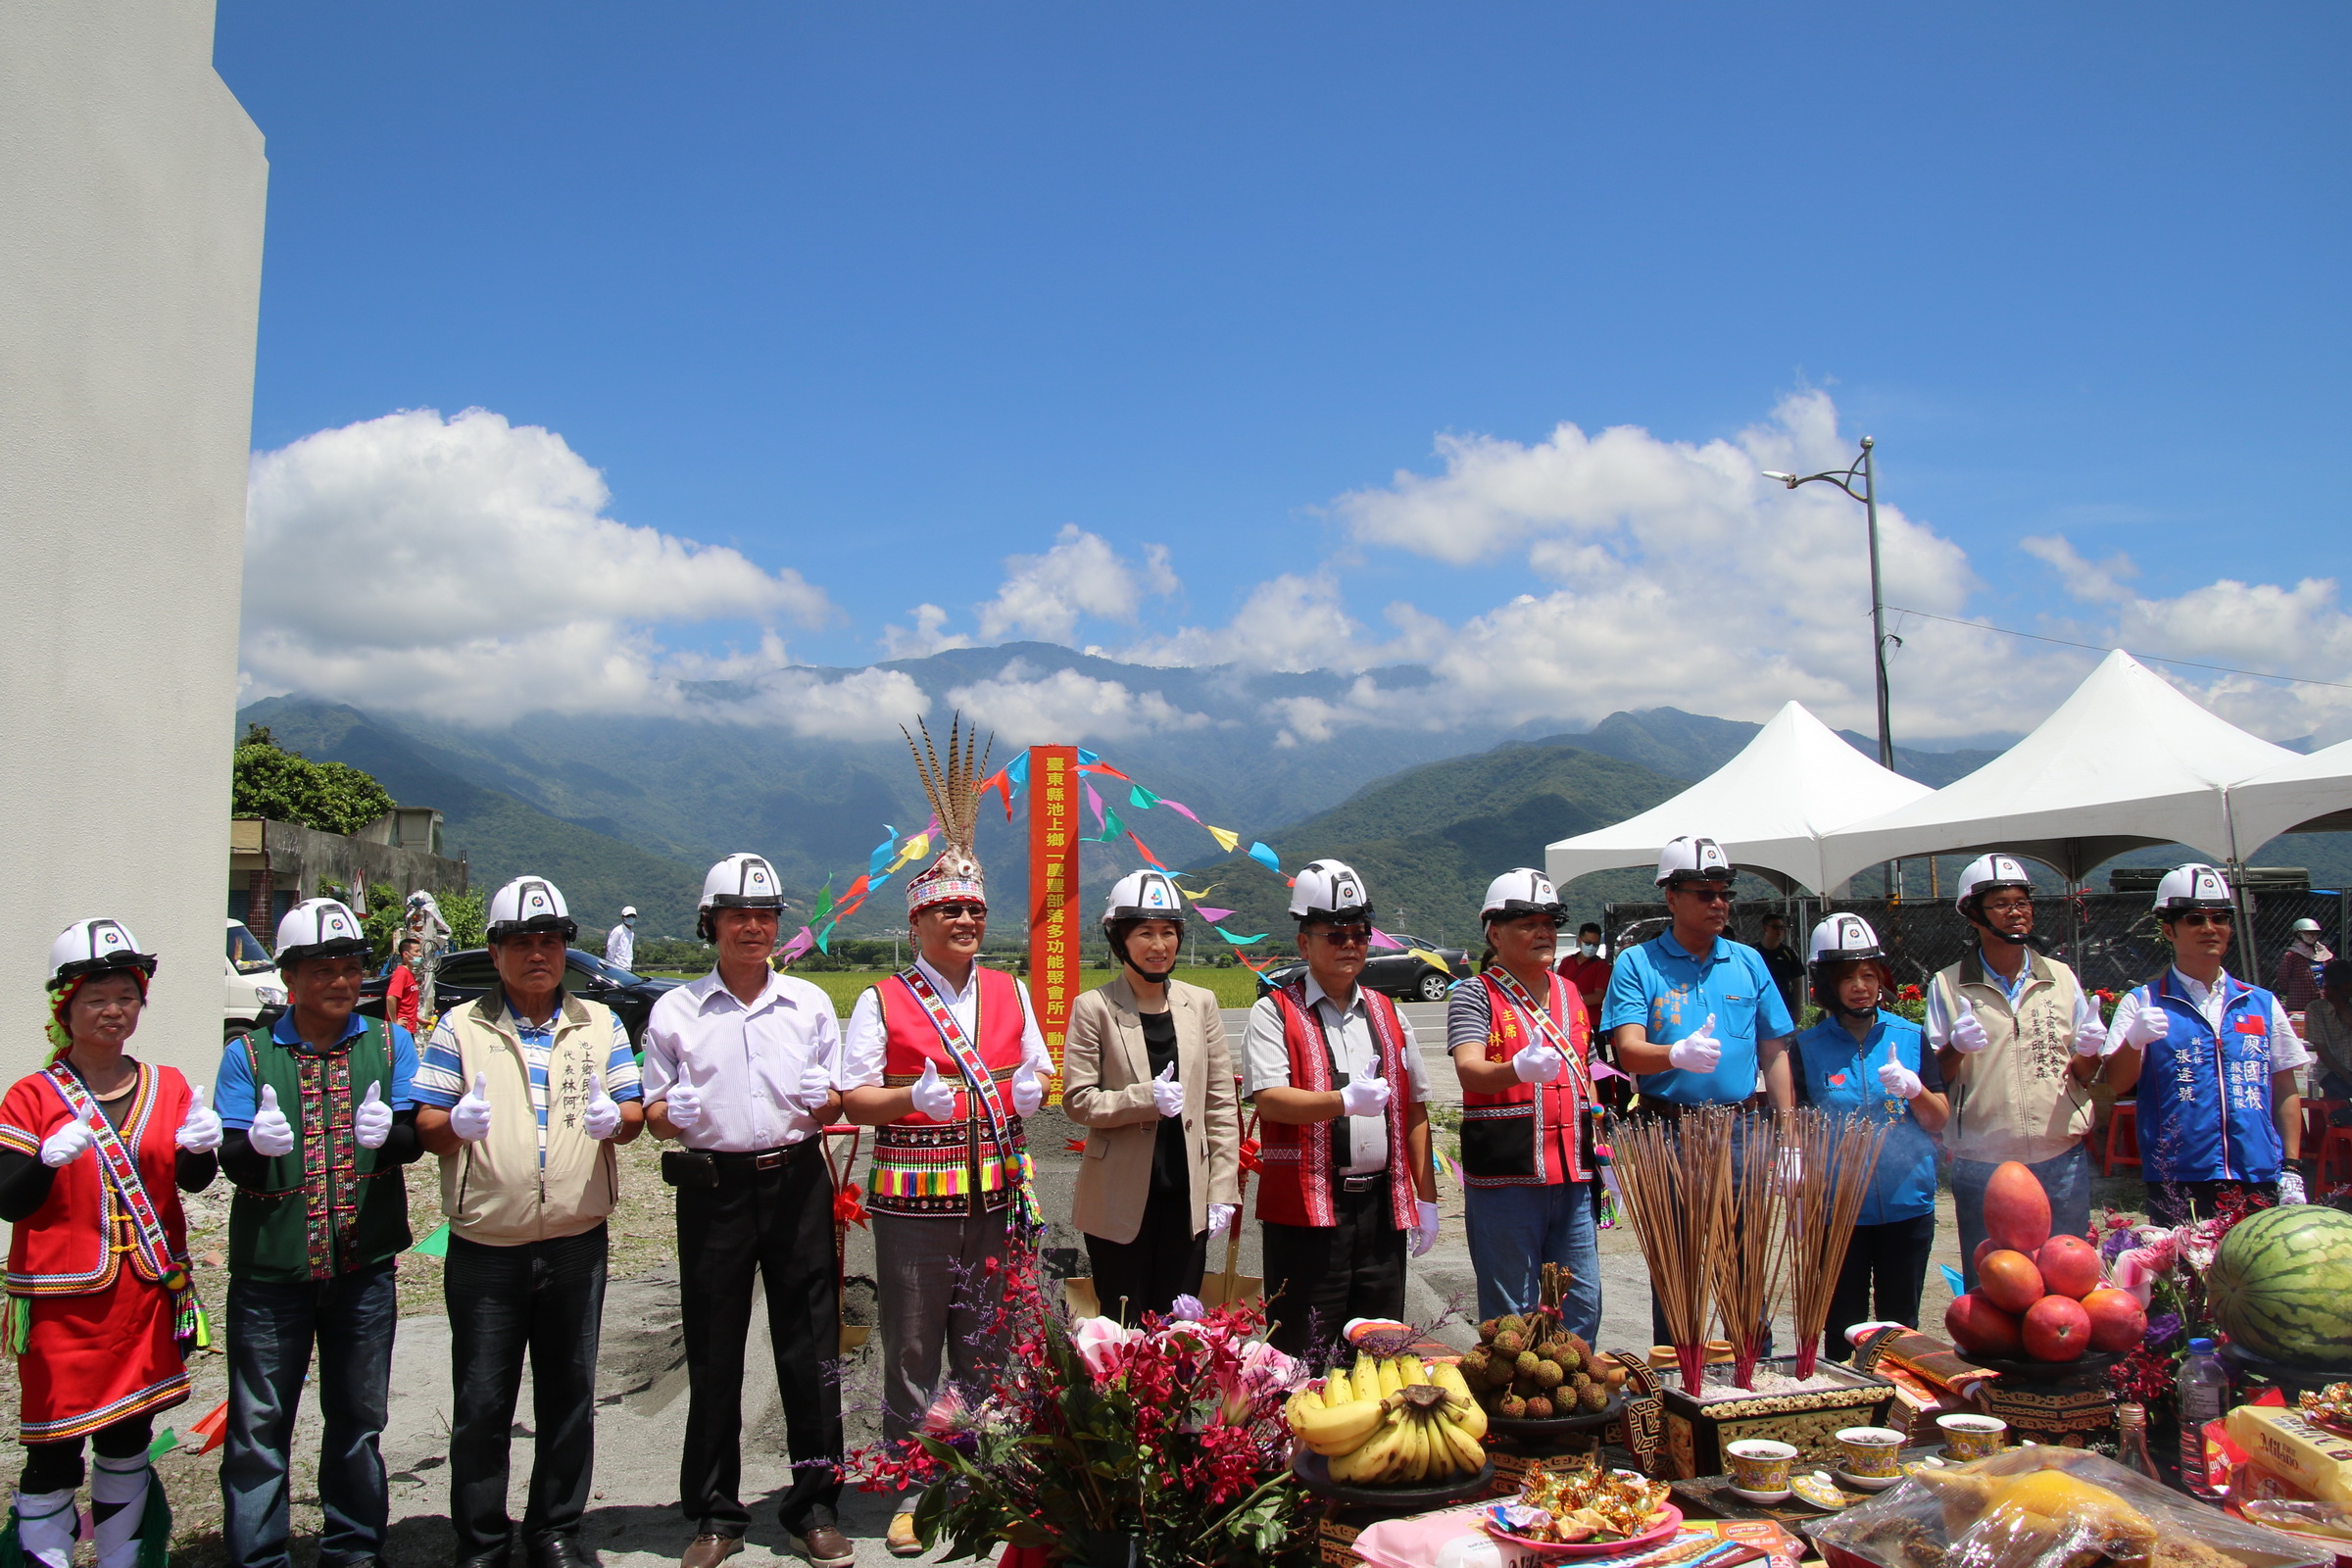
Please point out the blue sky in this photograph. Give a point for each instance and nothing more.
(882, 296)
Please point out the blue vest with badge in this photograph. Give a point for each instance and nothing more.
(1841, 1076)
(2205, 1099)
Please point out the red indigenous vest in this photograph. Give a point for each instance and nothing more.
(1528, 1134)
(1296, 1186)
(75, 1242)
(953, 1167)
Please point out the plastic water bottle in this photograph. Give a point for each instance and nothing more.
(2200, 1393)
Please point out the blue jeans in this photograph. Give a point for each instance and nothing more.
(271, 1330)
(2065, 1177)
(1514, 1231)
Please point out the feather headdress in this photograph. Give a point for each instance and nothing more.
(952, 782)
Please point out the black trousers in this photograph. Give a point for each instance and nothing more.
(772, 1226)
(1886, 1263)
(1165, 1260)
(1318, 1277)
(2179, 1202)
(545, 1300)
(57, 1466)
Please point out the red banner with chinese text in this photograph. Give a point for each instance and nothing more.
(1054, 830)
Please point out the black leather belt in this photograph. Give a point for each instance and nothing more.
(1365, 1183)
(765, 1158)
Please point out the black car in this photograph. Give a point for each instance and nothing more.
(465, 974)
(1397, 972)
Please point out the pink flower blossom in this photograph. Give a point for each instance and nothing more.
(1099, 1341)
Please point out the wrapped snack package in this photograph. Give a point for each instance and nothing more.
(2048, 1507)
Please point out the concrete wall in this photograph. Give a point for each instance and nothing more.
(290, 860)
(132, 198)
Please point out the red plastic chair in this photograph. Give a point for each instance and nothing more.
(2336, 1157)
(2315, 1123)
(2123, 1138)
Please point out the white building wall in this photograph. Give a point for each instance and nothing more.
(131, 196)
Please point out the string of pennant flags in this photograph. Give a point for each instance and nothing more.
(897, 851)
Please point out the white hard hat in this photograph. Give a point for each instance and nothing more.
(1693, 860)
(1520, 892)
(628, 912)
(529, 903)
(1988, 872)
(2306, 924)
(1843, 937)
(2192, 886)
(1144, 896)
(738, 882)
(1328, 890)
(94, 946)
(320, 929)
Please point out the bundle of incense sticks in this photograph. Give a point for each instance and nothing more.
(1749, 1253)
(1836, 1158)
(1676, 1180)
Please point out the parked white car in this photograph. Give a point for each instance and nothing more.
(253, 986)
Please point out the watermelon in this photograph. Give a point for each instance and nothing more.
(2281, 1284)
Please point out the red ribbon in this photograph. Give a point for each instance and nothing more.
(1250, 1160)
(847, 1210)
(1074, 1146)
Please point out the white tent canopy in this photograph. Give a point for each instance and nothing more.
(2308, 794)
(1767, 806)
(2124, 762)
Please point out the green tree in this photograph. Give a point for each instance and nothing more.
(285, 786)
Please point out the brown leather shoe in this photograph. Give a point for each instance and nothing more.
(902, 1540)
(709, 1550)
(823, 1545)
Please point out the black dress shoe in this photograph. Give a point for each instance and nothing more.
(496, 1557)
(560, 1551)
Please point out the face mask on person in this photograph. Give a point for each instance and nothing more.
(1589, 949)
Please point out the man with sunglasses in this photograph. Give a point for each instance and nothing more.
(1342, 1101)
(1692, 1013)
(2215, 1060)
(2018, 1045)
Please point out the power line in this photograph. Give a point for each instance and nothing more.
(2152, 659)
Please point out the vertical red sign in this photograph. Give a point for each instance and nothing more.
(1054, 894)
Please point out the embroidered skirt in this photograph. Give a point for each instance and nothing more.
(93, 1360)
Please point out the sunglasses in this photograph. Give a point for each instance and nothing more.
(2204, 917)
(957, 912)
(1343, 936)
(1706, 895)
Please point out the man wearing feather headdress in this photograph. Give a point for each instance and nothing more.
(942, 1061)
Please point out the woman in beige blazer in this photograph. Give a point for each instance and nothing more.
(1146, 1072)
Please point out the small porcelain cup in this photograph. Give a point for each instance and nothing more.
(1972, 1437)
(1759, 1464)
(1870, 1452)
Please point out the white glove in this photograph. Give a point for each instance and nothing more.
(67, 1144)
(1899, 1081)
(372, 1119)
(2149, 1025)
(1220, 1216)
(1538, 1063)
(1365, 1096)
(271, 1133)
(932, 1098)
(684, 1107)
(2091, 1039)
(816, 1088)
(1699, 1053)
(602, 1119)
(1968, 1036)
(1167, 1093)
(1425, 1227)
(470, 1117)
(2290, 1186)
(1028, 1090)
(200, 1132)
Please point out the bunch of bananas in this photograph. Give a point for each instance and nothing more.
(1392, 1421)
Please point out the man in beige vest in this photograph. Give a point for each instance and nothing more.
(524, 1094)
(2021, 1045)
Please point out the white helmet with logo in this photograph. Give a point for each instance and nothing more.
(2192, 886)
(320, 929)
(1987, 872)
(1328, 890)
(1843, 937)
(529, 903)
(1520, 892)
(94, 946)
(1693, 860)
(1144, 896)
(738, 882)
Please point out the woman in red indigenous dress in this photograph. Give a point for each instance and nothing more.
(94, 1152)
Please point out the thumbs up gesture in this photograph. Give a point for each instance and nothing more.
(1538, 1063)
(470, 1117)
(932, 1098)
(67, 1144)
(603, 1117)
(1028, 1090)
(271, 1133)
(1699, 1053)
(372, 1119)
(1367, 1095)
(1968, 1034)
(199, 1130)
(1167, 1093)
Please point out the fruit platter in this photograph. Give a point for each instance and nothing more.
(1390, 1429)
(2043, 1306)
(1535, 1379)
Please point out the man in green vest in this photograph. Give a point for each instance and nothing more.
(318, 1123)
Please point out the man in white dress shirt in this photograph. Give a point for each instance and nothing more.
(740, 1067)
(620, 943)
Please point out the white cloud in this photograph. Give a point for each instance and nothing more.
(465, 567)
(866, 704)
(1026, 709)
(2097, 582)
(927, 636)
(1044, 596)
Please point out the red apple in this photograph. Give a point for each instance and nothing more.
(2117, 1322)
(2009, 1280)
(2057, 1329)
(2016, 1212)
(2070, 1266)
(1979, 1328)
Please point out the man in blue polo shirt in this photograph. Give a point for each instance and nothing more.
(1692, 1013)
